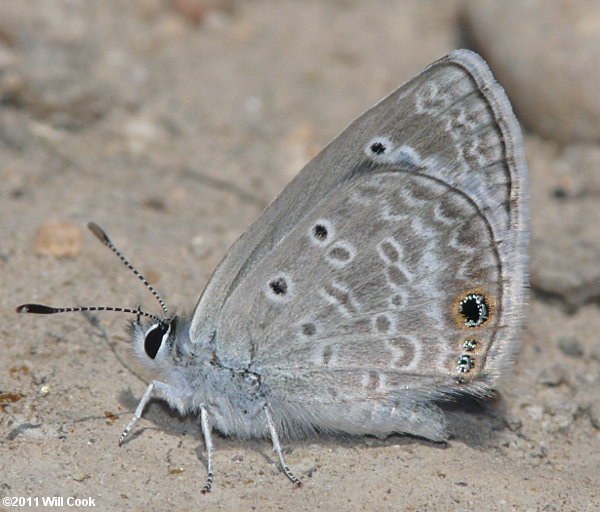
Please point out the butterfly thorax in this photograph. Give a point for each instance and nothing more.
(232, 395)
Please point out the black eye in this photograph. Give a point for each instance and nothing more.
(154, 339)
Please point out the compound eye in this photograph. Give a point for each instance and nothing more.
(156, 335)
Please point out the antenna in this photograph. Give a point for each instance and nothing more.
(103, 237)
(42, 309)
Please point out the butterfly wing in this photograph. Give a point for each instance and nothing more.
(395, 264)
(457, 120)
(375, 292)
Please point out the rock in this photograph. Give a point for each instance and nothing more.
(196, 10)
(565, 249)
(562, 412)
(201, 246)
(11, 80)
(60, 82)
(546, 55)
(60, 239)
(553, 376)
(140, 132)
(594, 413)
(570, 346)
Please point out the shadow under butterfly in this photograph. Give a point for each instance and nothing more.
(391, 273)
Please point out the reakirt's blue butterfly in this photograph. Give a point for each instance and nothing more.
(390, 273)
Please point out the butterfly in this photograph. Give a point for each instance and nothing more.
(391, 273)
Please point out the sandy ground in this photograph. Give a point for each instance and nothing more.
(173, 136)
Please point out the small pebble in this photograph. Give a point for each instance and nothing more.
(570, 346)
(553, 376)
(59, 239)
(196, 10)
(200, 247)
(594, 413)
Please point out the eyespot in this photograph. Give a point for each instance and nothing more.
(465, 364)
(378, 147)
(474, 309)
(279, 288)
(470, 345)
(321, 232)
(156, 335)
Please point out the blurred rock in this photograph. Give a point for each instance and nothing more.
(11, 80)
(553, 376)
(565, 249)
(594, 413)
(196, 10)
(59, 80)
(546, 55)
(200, 246)
(141, 131)
(570, 346)
(60, 239)
(562, 413)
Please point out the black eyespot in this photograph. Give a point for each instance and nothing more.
(475, 309)
(378, 148)
(154, 339)
(465, 364)
(279, 286)
(320, 232)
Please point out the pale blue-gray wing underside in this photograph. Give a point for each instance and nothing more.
(439, 161)
(360, 300)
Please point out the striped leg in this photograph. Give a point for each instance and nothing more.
(277, 448)
(206, 431)
(164, 391)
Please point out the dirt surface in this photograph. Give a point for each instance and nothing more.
(173, 134)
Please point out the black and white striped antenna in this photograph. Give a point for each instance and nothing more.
(41, 309)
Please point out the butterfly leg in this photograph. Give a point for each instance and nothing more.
(277, 448)
(167, 392)
(207, 432)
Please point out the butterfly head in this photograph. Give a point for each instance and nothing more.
(153, 339)
(153, 342)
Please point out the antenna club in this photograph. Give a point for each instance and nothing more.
(98, 232)
(39, 309)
